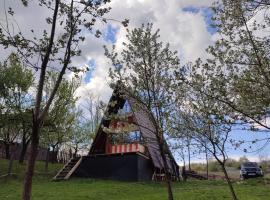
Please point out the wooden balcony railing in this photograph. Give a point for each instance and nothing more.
(125, 148)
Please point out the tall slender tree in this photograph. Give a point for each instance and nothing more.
(53, 50)
(205, 121)
(239, 61)
(145, 69)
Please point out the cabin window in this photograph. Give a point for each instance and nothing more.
(126, 109)
(126, 138)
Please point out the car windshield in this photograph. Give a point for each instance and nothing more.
(250, 164)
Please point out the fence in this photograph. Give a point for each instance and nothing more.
(16, 148)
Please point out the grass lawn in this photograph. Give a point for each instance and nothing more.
(87, 189)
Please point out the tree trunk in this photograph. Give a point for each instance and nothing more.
(24, 149)
(7, 150)
(47, 159)
(39, 116)
(76, 151)
(161, 143)
(70, 153)
(27, 187)
(229, 182)
(22, 154)
(189, 166)
(168, 180)
(184, 176)
(207, 167)
(10, 164)
(184, 169)
(54, 155)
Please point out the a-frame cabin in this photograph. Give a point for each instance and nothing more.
(125, 147)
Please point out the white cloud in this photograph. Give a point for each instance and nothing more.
(98, 85)
(198, 3)
(185, 31)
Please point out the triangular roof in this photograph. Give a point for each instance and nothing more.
(146, 128)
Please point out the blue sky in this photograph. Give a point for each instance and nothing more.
(253, 149)
(110, 34)
(88, 75)
(207, 13)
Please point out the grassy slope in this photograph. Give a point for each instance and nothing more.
(86, 189)
(19, 169)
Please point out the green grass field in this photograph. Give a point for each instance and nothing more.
(87, 189)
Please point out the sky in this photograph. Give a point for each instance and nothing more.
(185, 24)
(182, 23)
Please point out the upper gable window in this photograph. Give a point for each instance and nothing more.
(126, 109)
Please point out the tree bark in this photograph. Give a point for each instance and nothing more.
(161, 143)
(184, 176)
(27, 187)
(167, 176)
(47, 159)
(10, 164)
(7, 150)
(207, 167)
(39, 114)
(22, 154)
(54, 154)
(24, 149)
(234, 197)
(189, 166)
(76, 150)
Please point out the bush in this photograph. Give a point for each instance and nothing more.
(233, 163)
(198, 166)
(214, 166)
